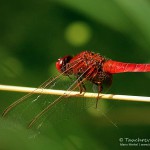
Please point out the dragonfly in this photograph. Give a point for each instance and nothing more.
(85, 66)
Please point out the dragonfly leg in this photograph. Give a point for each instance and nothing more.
(107, 82)
(100, 88)
(81, 86)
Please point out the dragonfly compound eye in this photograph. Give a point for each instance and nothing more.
(61, 63)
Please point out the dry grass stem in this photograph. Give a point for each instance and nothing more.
(73, 93)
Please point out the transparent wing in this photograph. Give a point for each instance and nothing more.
(67, 108)
(37, 108)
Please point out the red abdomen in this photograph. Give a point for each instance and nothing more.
(112, 67)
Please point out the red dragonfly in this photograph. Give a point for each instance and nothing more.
(85, 66)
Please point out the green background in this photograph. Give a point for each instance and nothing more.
(34, 34)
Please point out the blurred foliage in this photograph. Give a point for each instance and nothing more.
(34, 34)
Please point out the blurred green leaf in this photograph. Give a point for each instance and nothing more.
(138, 12)
(106, 12)
(128, 17)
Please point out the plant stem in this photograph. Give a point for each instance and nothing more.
(73, 93)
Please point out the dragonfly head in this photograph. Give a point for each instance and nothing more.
(61, 63)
